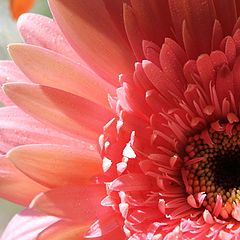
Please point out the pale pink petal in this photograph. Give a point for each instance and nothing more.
(15, 186)
(4, 100)
(9, 72)
(82, 202)
(90, 30)
(43, 31)
(18, 128)
(71, 113)
(56, 165)
(63, 74)
(27, 225)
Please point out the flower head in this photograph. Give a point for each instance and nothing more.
(156, 82)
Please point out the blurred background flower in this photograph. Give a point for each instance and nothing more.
(10, 10)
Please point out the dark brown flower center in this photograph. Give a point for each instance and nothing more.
(212, 166)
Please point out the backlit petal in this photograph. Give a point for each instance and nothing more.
(90, 30)
(15, 186)
(56, 165)
(82, 203)
(63, 73)
(69, 112)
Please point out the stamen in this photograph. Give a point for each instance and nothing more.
(212, 166)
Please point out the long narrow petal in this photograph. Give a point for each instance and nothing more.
(63, 230)
(71, 113)
(27, 225)
(63, 74)
(134, 34)
(4, 100)
(56, 165)
(90, 30)
(9, 72)
(132, 182)
(43, 31)
(198, 15)
(18, 128)
(103, 229)
(82, 203)
(15, 186)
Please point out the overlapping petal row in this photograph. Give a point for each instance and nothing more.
(179, 74)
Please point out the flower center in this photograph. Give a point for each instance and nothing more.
(212, 167)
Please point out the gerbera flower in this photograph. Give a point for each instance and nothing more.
(168, 137)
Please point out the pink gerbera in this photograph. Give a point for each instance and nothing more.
(138, 134)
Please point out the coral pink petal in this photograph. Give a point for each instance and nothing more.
(153, 19)
(133, 32)
(63, 74)
(82, 202)
(226, 14)
(27, 224)
(56, 165)
(115, 10)
(63, 230)
(43, 31)
(198, 15)
(15, 186)
(159, 79)
(87, 24)
(18, 128)
(71, 113)
(132, 182)
(105, 228)
(100, 230)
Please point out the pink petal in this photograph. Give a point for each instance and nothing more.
(226, 14)
(63, 73)
(172, 66)
(133, 32)
(106, 228)
(56, 165)
(27, 225)
(87, 24)
(151, 27)
(9, 72)
(159, 79)
(198, 15)
(15, 186)
(43, 31)
(17, 128)
(82, 202)
(100, 230)
(63, 230)
(66, 111)
(132, 182)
